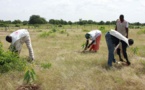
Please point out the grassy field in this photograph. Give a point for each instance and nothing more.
(72, 70)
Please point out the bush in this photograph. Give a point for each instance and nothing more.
(10, 61)
(60, 25)
(62, 31)
(17, 25)
(102, 28)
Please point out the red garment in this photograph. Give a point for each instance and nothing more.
(95, 47)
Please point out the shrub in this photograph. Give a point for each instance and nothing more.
(60, 25)
(102, 28)
(10, 61)
(62, 31)
(17, 25)
(53, 30)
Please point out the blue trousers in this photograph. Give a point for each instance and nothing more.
(111, 48)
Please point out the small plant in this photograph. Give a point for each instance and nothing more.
(83, 45)
(135, 50)
(30, 76)
(47, 65)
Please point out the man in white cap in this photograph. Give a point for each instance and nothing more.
(17, 38)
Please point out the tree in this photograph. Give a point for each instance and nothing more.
(90, 22)
(36, 19)
(25, 22)
(107, 22)
(113, 22)
(101, 23)
(52, 21)
(17, 22)
(70, 23)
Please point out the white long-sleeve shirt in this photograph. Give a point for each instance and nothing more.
(19, 37)
(94, 34)
(119, 36)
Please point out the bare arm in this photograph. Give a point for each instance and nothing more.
(124, 47)
(86, 46)
(127, 32)
(91, 43)
(116, 28)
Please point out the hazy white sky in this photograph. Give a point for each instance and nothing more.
(73, 10)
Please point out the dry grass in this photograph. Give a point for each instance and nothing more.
(73, 70)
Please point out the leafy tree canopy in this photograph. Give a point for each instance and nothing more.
(36, 19)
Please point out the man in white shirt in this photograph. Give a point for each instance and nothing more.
(113, 38)
(17, 38)
(95, 37)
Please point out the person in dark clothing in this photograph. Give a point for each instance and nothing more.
(113, 40)
(122, 27)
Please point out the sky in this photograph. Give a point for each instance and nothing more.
(73, 10)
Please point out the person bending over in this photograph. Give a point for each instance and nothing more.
(95, 37)
(113, 38)
(17, 38)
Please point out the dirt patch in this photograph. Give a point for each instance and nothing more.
(29, 87)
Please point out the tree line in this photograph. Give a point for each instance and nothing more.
(36, 19)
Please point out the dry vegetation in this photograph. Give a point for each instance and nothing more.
(72, 70)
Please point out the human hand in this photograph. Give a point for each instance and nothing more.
(88, 46)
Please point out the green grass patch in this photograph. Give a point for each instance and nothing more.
(46, 65)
